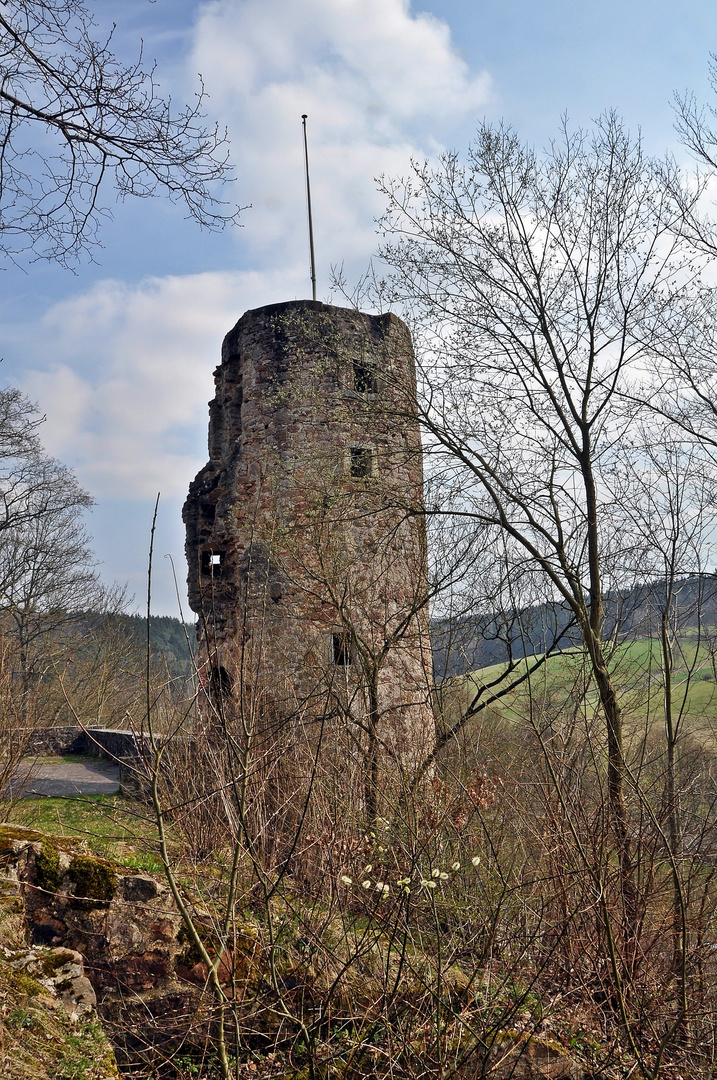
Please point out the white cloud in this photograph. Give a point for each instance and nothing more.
(379, 84)
(377, 58)
(126, 395)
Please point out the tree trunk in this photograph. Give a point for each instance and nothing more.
(371, 776)
(615, 787)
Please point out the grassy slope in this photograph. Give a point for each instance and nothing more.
(41, 1042)
(637, 672)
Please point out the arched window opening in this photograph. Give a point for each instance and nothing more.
(220, 685)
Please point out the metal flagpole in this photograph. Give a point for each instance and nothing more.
(308, 203)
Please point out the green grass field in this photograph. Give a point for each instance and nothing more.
(564, 679)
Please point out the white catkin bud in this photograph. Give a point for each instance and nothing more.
(475, 860)
(456, 867)
(366, 884)
(346, 880)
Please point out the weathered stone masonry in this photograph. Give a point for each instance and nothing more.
(305, 536)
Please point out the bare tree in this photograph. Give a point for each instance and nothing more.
(47, 570)
(18, 426)
(71, 115)
(694, 122)
(538, 289)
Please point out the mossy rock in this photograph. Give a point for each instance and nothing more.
(10, 834)
(47, 866)
(95, 881)
(53, 959)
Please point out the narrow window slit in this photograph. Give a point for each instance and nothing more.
(341, 649)
(361, 462)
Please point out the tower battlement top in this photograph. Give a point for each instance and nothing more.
(295, 307)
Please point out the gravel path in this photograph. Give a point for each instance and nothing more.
(57, 777)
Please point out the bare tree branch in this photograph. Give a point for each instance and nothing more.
(72, 115)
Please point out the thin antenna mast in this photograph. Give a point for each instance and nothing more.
(308, 203)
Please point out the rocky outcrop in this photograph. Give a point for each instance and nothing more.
(61, 972)
(106, 939)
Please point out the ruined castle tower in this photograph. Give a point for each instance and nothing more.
(305, 536)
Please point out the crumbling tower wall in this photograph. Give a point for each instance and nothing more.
(305, 535)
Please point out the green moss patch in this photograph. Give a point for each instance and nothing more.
(25, 985)
(47, 865)
(95, 880)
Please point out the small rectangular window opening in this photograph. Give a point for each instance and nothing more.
(341, 650)
(365, 381)
(360, 462)
(212, 562)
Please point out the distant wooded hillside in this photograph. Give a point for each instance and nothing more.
(472, 642)
(171, 640)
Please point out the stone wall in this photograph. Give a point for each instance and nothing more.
(109, 743)
(50, 740)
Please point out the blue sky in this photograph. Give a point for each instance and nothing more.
(120, 355)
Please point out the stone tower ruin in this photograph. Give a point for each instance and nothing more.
(305, 534)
